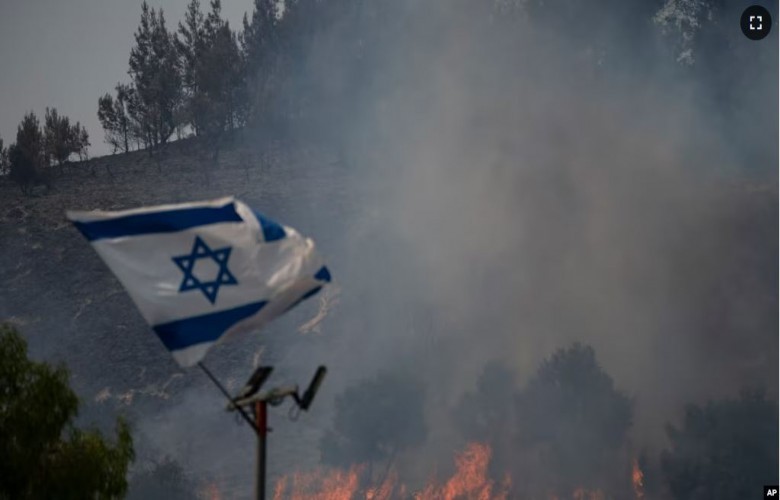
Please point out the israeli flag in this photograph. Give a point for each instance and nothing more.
(199, 272)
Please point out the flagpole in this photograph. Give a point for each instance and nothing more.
(230, 398)
(251, 397)
(261, 420)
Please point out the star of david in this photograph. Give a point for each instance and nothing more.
(200, 250)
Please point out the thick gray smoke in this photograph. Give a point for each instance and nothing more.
(526, 191)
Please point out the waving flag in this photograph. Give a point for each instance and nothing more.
(200, 271)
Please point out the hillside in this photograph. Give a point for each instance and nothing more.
(71, 309)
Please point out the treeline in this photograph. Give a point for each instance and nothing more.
(322, 63)
(191, 79)
(563, 434)
(205, 78)
(37, 148)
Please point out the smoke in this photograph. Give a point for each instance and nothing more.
(516, 186)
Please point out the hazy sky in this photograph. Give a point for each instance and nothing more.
(67, 53)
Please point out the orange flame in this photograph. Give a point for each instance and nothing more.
(470, 481)
(637, 480)
(385, 490)
(334, 485)
(212, 492)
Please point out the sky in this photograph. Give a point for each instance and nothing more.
(66, 54)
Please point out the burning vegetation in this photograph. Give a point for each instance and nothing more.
(563, 435)
(470, 480)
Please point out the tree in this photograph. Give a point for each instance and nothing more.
(219, 77)
(58, 137)
(723, 449)
(481, 415)
(571, 416)
(109, 121)
(189, 44)
(213, 72)
(222, 71)
(3, 159)
(114, 117)
(485, 415)
(42, 454)
(80, 138)
(155, 73)
(61, 139)
(27, 156)
(374, 420)
(261, 53)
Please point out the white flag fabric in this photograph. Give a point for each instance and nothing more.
(201, 271)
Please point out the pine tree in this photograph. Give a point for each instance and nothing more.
(3, 159)
(371, 433)
(123, 96)
(141, 75)
(58, 144)
(722, 449)
(213, 69)
(189, 44)
(168, 79)
(79, 141)
(218, 72)
(114, 117)
(27, 155)
(259, 39)
(155, 72)
(260, 50)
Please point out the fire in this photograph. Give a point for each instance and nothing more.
(334, 485)
(385, 490)
(470, 481)
(637, 480)
(212, 492)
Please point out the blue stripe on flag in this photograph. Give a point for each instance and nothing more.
(271, 230)
(205, 328)
(157, 222)
(323, 275)
(304, 297)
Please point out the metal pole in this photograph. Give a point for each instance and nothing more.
(227, 395)
(261, 422)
